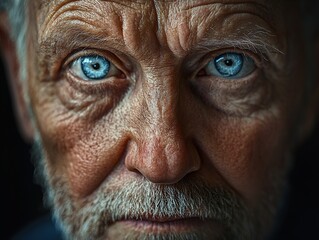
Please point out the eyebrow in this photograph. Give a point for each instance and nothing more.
(261, 40)
(76, 39)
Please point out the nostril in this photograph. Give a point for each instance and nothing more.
(132, 169)
(160, 169)
(162, 163)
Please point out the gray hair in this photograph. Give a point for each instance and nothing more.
(16, 10)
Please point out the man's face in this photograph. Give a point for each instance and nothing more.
(164, 119)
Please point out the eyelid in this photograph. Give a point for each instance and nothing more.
(204, 83)
(196, 63)
(75, 55)
(258, 60)
(112, 83)
(246, 66)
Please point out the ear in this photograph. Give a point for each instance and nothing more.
(11, 62)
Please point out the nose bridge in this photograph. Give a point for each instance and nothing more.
(160, 95)
(161, 115)
(161, 112)
(163, 153)
(163, 132)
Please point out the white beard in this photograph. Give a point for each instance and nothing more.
(139, 198)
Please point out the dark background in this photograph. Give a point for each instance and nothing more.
(21, 198)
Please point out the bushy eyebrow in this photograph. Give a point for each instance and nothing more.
(76, 37)
(60, 42)
(257, 40)
(58, 46)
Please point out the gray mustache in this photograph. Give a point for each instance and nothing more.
(144, 200)
(148, 201)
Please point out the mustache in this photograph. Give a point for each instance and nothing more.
(120, 198)
(140, 199)
(143, 200)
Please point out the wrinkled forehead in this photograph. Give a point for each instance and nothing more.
(178, 24)
(270, 10)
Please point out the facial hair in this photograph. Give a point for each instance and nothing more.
(139, 199)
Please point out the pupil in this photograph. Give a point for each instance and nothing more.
(96, 66)
(228, 62)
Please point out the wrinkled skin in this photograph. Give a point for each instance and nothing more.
(157, 121)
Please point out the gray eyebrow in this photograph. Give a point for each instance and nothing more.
(256, 41)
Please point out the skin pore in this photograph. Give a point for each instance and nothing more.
(160, 148)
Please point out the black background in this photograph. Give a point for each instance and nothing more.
(21, 199)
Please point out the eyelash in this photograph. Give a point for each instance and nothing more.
(82, 52)
(256, 57)
(203, 84)
(111, 83)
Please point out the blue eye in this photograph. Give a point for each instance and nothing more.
(230, 66)
(92, 67)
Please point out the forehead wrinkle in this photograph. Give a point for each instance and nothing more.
(49, 8)
(175, 13)
(78, 31)
(45, 3)
(78, 15)
(202, 20)
(194, 4)
(258, 8)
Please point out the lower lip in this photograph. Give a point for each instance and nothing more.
(177, 226)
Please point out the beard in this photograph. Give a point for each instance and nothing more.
(120, 199)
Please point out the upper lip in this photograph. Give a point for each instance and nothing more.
(155, 219)
(162, 219)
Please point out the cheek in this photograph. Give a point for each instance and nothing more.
(91, 161)
(247, 153)
(80, 149)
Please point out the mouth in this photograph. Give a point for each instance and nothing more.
(164, 225)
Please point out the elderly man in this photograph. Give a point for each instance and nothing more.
(162, 119)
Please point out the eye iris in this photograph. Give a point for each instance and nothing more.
(230, 64)
(95, 67)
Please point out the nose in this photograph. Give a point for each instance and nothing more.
(161, 149)
(163, 156)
